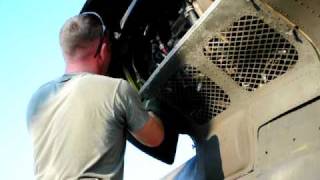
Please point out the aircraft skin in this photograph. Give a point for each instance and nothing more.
(242, 81)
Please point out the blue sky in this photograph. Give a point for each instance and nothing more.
(30, 56)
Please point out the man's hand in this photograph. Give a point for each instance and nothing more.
(170, 117)
(153, 105)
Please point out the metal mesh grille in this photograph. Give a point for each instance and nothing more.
(251, 52)
(195, 95)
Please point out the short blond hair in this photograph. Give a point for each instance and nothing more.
(79, 32)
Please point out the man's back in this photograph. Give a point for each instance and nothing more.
(78, 123)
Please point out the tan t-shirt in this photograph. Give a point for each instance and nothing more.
(78, 124)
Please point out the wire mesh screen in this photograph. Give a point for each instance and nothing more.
(251, 52)
(195, 95)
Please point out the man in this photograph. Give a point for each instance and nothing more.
(79, 121)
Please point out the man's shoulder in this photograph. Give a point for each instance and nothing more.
(45, 88)
(96, 78)
(39, 97)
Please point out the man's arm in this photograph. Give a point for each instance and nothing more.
(166, 149)
(152, 133)
(143, 126)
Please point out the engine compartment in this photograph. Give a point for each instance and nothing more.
(143, 32)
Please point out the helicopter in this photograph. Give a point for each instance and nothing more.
(241, 78)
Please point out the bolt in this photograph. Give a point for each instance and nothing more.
(199, 86)
(282, 51)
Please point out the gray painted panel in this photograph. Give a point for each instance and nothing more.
(289, 146)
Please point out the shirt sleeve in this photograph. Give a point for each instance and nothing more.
(129, 106)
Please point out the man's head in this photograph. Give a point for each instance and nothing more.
(84, 43)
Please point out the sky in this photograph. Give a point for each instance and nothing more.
(30, 56)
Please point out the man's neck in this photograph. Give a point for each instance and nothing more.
(72, 68)
(74, 71)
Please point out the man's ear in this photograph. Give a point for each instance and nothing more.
(104, 58)
(105, 52)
